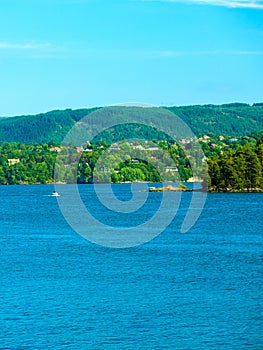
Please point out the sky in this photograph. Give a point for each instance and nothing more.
(58, 54)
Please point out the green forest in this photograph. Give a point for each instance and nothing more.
(234, 164)
(234, 119)
(237, 170)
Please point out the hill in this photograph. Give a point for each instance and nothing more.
(41, 128)
(234, 119)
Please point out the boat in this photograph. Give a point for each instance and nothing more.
(55, 194)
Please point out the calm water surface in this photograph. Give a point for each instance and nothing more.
(200, 290)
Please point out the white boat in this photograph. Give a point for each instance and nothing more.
(55, 194)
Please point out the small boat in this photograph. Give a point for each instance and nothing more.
(55, 194)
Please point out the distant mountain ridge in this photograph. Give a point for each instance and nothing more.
(234, 119)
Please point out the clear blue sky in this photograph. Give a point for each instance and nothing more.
(57, 54)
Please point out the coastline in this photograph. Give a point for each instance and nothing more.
(152, 189)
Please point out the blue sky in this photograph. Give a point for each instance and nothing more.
(57, 54)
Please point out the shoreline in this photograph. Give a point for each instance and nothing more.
(154, 189)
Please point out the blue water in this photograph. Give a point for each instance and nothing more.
(199, 290)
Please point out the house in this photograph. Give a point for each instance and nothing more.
(105, 170)
(204, 138)
(185, 141)
(79, 149)
(171, 168)
(114, 147)
(55, 149)
(13, 161)
(139, 147)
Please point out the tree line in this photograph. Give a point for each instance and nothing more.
(233, 168)
(239, 169)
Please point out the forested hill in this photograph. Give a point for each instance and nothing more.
(41, 128)
(235, 119)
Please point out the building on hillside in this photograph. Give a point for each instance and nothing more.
(105, 170)
(171, 168)
(55, 149)
(153, 148)
(139, 147)
(13, 161)
(114, 147)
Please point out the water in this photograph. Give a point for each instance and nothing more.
(199, 290)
